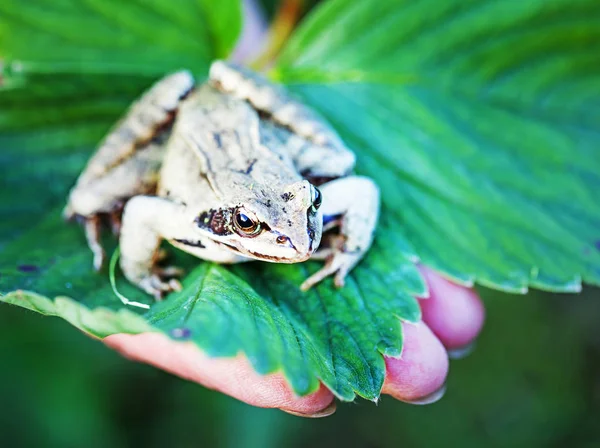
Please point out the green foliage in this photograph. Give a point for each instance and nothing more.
(100, 322)
(479, 118)
(116, 37)
(476, 119)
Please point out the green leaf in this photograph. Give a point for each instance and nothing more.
(100, 321)
(324, 334)
(479, 120)
(54, 117)
(112, 36)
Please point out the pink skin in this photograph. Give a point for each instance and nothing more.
(452, 317)
(454, 313)
(232, 376)
(422, 368)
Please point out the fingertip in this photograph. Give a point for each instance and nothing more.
(453, 312)
(232, 376)
(317, 405)
(420, 372)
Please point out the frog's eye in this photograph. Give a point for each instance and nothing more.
(316, 197)
(245, 223)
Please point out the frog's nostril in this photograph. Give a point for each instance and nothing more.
(282, 239)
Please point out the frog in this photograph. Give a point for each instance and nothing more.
(230, 170)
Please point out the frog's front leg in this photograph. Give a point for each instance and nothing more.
(147, 220)
(353, 202)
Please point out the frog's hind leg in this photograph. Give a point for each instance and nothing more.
(106, 194)
(353, 203)
(145, 119)
(102, 199)
(127, 162)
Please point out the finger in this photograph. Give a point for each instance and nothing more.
(419, 374)
(232, 376)
(454, 313)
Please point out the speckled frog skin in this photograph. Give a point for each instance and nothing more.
(231, 170)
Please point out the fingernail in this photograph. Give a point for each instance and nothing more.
(329, 410)
(431, 398)
(461, 352)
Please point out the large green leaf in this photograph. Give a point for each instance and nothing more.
(50, 120)
(479, 119)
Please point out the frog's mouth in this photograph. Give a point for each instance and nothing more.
(264, 257)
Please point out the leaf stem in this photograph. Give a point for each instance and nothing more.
(111, 275)
(288, 14)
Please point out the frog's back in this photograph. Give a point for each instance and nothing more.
(217, 140)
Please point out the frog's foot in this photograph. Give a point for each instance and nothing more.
(169, 271)
(92, 228)
(355, 200)
(339, 263)
(161, 281)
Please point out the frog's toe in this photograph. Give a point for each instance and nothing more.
(317, 277)
(161, 282)
(339, 264)
(340, 277)
(159, 287)
(92, 234)
(99, 259)
(169, 271)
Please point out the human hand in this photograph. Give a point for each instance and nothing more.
(452, 318)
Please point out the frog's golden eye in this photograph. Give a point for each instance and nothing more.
(316, 197)
(245, 223)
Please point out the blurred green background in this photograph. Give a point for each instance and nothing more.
(534, 380)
